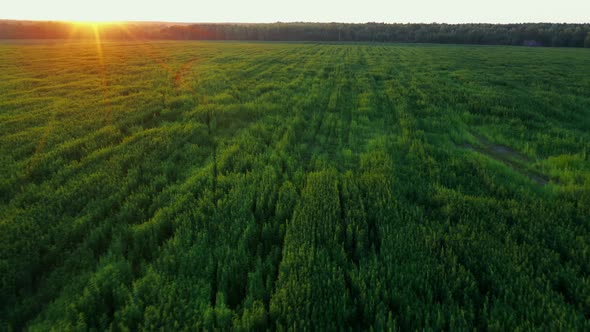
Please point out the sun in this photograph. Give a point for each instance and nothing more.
(94, 29)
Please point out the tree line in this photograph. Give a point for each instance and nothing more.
(527, 34)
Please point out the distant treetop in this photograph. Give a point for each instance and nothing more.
(526, 34)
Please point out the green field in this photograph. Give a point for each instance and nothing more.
(251, 186)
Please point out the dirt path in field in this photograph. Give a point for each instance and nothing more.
(508, 157)
(178, 78)
(501, 151)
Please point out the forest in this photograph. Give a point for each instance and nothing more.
(197, 185)
(525, 34)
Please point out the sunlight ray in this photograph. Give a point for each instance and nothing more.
(103, 71)
(149, 50)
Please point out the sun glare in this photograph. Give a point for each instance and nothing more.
(95, 23)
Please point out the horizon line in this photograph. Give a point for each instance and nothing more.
(275, 22)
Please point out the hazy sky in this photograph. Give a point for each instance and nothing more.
(447, 11)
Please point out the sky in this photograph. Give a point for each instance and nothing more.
(353, 11)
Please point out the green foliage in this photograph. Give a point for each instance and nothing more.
(527, 34)
(183, 186)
